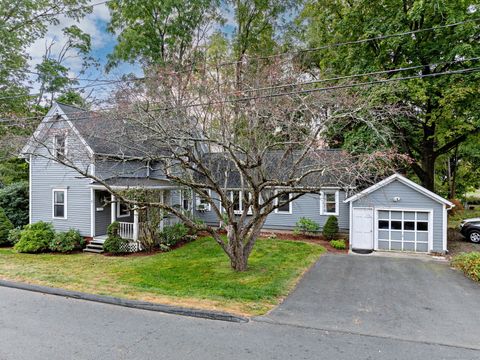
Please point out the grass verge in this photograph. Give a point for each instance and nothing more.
(469, 263)
(195, 275)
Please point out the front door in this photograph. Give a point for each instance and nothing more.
(362, 229)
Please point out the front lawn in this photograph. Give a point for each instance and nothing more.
(196, 275)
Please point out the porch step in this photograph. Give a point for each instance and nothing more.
(94, 247)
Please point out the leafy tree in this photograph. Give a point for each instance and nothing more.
(5, 227)
(444, 109)
(14, 200)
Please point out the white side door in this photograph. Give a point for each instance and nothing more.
(362, 228)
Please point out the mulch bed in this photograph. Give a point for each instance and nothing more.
(319, 240)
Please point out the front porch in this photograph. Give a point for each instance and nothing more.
(132, 221)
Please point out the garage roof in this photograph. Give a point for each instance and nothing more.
(405, 181)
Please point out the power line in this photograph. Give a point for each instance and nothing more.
(336, 87)
(326, 46)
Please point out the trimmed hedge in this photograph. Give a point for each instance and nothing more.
(35, 238)
(330, 229)
(5, 227)
(70, 240)
(469, 263)
(114, 243)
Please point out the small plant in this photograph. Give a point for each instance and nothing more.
(14, 235)
(35, 238)
(114, 243)
(172, 235)
(70, 240)
(5, 227)
(330, 229)
(306, 226)
(469, 263)
(272, 236)
(338, 244)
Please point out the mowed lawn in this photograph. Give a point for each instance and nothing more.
(196, 275)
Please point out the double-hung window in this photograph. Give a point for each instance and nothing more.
(186, 199)
(285, 204)
(123, 210)
(59, 203)
(237, 198)
(329, 202)
(60, 146)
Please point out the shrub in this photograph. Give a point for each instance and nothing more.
(35, 238)
(330, 229)
(114, 243)
(306, 226)
(14, 235)
(469, 263)
(67, 241)
(172, 235)
(14, 200)
(338, 244)
(5, 227)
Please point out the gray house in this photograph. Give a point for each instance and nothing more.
(394, 214)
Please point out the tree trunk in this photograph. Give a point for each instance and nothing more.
(238, 260)
(428, 157)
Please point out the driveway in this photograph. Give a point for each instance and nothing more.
(394, 298)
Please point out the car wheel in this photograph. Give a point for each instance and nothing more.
(474, 236)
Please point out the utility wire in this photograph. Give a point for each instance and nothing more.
(326, 46)
(242, 99)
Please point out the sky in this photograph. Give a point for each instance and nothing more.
(103, 43)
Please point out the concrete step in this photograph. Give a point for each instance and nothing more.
(93, 250)
(95, 246)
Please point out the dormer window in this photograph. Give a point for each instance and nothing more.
(59, 143)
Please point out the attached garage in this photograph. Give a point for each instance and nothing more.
(397, 214)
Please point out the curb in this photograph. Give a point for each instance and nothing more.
(143, 305)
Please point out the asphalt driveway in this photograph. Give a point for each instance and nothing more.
(395, 298)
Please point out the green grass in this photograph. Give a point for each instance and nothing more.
(469, 263)
(197, 274)
(454, 220)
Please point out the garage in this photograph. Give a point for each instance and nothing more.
(397, 214)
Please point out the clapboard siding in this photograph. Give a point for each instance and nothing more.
(47, 175)
(306, 206)
(409, 199)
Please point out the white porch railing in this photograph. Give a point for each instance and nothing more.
(125, 230)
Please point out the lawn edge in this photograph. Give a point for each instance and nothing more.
(136, 304)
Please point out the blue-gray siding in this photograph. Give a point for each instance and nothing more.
(409, 199)
(306, 206)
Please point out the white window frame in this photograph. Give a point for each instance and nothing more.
(65, 202)
(183, 198)
(119, 215)
(290, 207)
(240, 199)
(199, 201)
(323, 210)
(55, 150)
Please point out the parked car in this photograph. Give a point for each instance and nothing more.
(470, 228)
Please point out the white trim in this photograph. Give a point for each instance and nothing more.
(403, 180)
(444, 228)
(372, 211)
(92, 212)
(119, 215)
(30, 191)
(290, 205)
(240, 199)
(430, 225)
(199, 199)
(113, 209)
(322, 202)
(182, 198)
(65, 203)
(64, 134)
(350, 226)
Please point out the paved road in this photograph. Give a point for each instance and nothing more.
(410, 299)
(36, 326)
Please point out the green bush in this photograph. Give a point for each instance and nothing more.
(306, 226)
(172, 235)
(114, 243)
(70, 240)
(5, 227)
(330, 229)
(469, 263)
(14, 235)
(14, 200)
(338, 244)
(35, 238)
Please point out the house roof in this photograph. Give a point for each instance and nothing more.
(403, 180)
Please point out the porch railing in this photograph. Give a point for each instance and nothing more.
(125, 230)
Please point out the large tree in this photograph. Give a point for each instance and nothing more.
(444, 109)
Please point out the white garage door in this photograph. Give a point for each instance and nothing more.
(403, 230)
